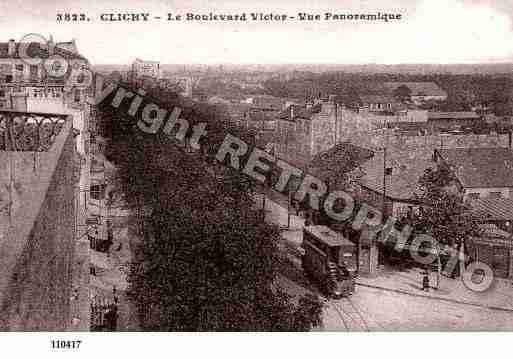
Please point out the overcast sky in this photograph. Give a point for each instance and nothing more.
(431, 31)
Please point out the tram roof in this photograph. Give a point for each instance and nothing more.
(328, 236)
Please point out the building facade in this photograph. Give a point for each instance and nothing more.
(479, 172)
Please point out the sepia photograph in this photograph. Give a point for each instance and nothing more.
(271, 166)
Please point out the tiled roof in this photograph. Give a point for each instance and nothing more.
(493, 209)
(35, 50)
(259, 115)
(407, 168)
(452, 115)
(480, 167)
(327, 163)
(418, 88)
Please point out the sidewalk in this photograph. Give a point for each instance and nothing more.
(498, 297)
(111, 273)
(79, 302)
(277, 214)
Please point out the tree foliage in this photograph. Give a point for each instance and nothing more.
(444, 215)
(206, 262)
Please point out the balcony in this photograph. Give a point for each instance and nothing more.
(29, 131)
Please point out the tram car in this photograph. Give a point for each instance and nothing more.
(330, 260)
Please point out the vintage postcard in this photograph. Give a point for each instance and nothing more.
(269, 166)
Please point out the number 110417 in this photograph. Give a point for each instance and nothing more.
(66, 344)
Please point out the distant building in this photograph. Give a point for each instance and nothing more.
(480, 172)
(420, 91)
(495, 248)
(32, 88)
(302, 132)
(377, 103)
(141, 69)
(451, 120)
(24, 86)
(267, 102)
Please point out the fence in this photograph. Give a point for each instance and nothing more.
(104, 314)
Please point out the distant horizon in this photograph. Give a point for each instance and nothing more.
(503, 68)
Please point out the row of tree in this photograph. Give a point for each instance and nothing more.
(207, 262)
(464, 91)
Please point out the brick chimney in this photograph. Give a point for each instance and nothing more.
(11, 48)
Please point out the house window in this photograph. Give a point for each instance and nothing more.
(33, 72)
(8, 78)
(77, 95)
(97, 191)
(495, 194)
(2, 93)
(473, 195)
(19, 67)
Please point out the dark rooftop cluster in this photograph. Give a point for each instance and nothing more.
(37, 50)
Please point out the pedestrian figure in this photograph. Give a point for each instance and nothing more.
(308, 222)
(425, 282)
(75, 294)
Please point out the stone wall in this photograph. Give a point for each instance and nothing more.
(294, 141)
(298, 141)
(36, 252)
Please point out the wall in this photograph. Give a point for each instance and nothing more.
(57, 105)
(37, 250)
(298, 141)
(378, 138)
(497, 254)
(294, 141)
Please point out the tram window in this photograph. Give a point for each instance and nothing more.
(334, 254)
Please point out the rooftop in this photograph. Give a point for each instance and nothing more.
(327, 235)
(36, 50)
(493, 209)
(296, 111)
(480, 167)
(407, 167)
(326, 165)
(453, 115)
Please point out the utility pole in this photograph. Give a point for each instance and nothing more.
(288, 208)
(385, 145)
(384, 180)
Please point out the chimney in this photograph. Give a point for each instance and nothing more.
(51, 46)
(292, 112)
(11, 49)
